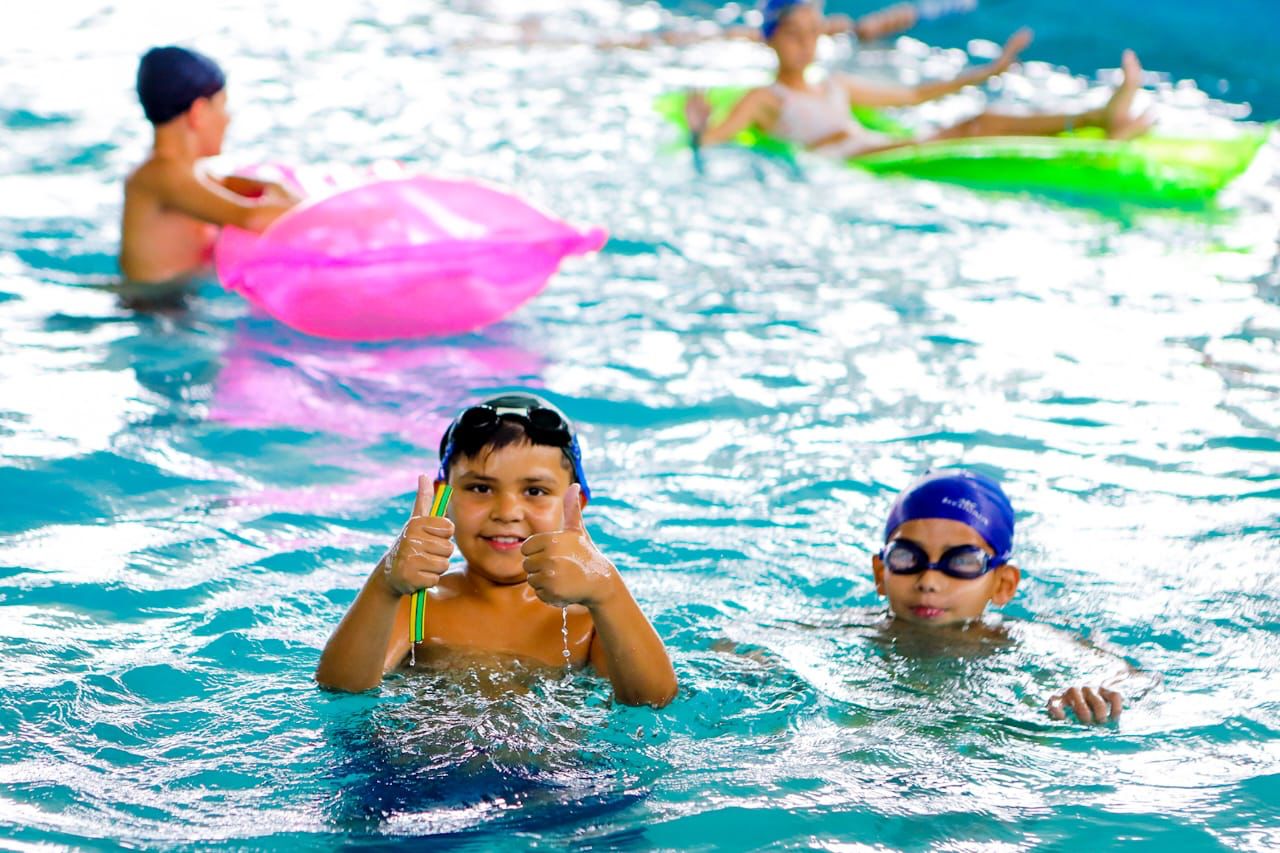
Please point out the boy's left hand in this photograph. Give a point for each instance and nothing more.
(565, 567)
(1089, 705)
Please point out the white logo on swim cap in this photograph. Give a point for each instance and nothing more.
(966, 505)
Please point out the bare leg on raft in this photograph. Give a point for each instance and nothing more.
(1115, 118)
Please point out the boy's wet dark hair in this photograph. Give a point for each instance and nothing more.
(507, 420)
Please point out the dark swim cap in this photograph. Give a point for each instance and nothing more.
(773, 11)
(476, 426)
(964, 496)
(170, 79)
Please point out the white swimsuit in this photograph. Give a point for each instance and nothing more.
(809, 117)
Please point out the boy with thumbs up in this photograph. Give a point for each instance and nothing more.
(516, 470)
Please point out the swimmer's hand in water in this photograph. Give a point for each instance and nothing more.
(1089, 705)
(566, 567)
(1017, 43)
(421, 554)
(697, 112)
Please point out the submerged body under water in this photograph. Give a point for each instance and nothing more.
(759, 359)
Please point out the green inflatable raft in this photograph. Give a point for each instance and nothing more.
(1151, 169)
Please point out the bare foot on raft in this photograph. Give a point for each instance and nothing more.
(1121, 123)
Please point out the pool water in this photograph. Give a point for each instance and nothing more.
(759, 359)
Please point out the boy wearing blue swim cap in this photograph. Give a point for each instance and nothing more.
(515, 465)
(947, 544)
(172, 205)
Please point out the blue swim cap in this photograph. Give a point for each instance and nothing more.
(964, 496)
(543, 423)
(773, 11)
(170, 79)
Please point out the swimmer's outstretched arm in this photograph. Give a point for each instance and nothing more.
(757, 107)
(565, 567)
(876, 95)
(888, 21)
(201, 197)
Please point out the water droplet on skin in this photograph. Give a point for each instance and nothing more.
(564, 634)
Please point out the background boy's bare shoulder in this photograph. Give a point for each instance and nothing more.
(156, 174)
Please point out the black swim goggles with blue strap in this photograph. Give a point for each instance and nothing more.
(542, 422)
(965, 562)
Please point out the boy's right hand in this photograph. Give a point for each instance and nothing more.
(421, 554)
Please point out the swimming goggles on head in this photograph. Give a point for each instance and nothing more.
(965, 562)
(542, 423)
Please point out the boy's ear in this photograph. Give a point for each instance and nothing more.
(197, 113)
(194, 116)
(877, 571)
(1007, 578)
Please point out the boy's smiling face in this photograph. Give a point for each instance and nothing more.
(502, 497)
(932, 598)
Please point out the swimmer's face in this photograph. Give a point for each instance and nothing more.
(209, 119)
(796, 38)
(501, 498)
(932, 598)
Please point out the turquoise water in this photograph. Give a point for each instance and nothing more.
(759, 359)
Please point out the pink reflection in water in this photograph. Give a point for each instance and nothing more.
(273, 378)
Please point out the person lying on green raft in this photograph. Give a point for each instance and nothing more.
(817, 115)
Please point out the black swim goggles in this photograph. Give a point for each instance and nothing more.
(543, 424)
(965, 562)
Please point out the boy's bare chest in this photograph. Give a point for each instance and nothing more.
(532, 630)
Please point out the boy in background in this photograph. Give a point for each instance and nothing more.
(947, 545)
(172, 206)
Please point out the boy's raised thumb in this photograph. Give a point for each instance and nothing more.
(573, 508)
(426, 494)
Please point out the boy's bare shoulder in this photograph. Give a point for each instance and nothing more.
(452, 586)
(156, 174)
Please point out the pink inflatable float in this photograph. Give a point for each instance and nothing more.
(400, 258)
